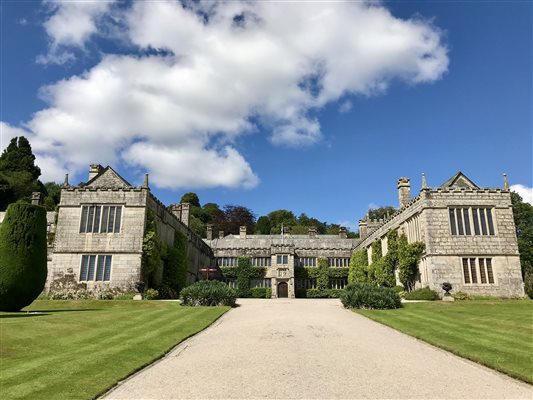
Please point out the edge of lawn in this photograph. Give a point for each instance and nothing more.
(158, 357)
(447, 348)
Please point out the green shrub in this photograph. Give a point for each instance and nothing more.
(319, 293)
(460, 296)
(22, 255)
(368, 296)
(398, 289)
(421, 294)
(261, 293)
(208, 293)
(358, 267)
(151, 294)
(125, 296)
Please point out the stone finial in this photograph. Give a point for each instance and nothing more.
(221, 234)
(242, 232)
(209, 228)
(424, 182)
(505, 182)
(312, 231)
(65, 182)
(145, 183)
(343, 233)
(404, 191)
(36, 198)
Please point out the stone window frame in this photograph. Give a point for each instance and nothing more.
(228, 261)
(337, 283)
(305, 283)
(284, 259)
(99, 221)
(260, 261)
(481, 225)
(302, 262)
(338, 262)
(481, 270)
(261, 283)
(92, 269)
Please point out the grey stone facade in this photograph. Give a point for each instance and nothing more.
(428, 218)
(123, 240)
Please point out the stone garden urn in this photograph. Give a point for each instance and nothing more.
(447, 286)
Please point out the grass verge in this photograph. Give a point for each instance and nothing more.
(495, 333)
(80, 349)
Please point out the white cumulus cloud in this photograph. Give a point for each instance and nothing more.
(525, 192)
(204, 74)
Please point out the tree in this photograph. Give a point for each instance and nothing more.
(23, 256)
(18, 172)
(52, 195)
(523, 219)
(191, 198)
(381, 213)
(263, 225)
(237, 216)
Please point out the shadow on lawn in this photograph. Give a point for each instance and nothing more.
(40, 313)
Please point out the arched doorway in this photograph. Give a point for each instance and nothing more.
(283, 289)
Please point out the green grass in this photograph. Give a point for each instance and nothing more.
(495, 333)
(79, 349)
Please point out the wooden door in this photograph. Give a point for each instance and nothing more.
(283, 289)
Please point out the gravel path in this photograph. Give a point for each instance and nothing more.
(303, 348)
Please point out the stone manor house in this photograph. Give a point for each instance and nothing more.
(469, 236)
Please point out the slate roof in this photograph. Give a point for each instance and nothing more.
(298, 241)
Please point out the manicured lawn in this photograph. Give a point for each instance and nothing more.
(79, 349)
(498, 334)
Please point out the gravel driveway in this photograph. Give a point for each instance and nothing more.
(304, 348)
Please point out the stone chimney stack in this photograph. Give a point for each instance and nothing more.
(185, 214)
(221, 234)
(209, 232)
(242, 232)
(363, 228)
(94, 170)
(312, 232)
(404, 191)
(343, 233)
(36, 198)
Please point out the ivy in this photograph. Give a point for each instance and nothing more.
(408, 256)
(358, 272)
(384, 267)
(151, 263)
(175, 267)
(322, 279)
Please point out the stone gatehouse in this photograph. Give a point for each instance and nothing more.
(469, 236)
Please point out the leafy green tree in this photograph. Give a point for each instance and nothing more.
(18, 157)
(52, 195)
(191, 198)
(279, 217)
(23, 267)
(237, 216)
(523, 219)
(263, 225)
(381, 212)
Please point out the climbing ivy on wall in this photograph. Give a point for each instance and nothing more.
(358, 267)
(408, 257)
(151, 260)
(175, 267)
(322, 279)
(384, 267)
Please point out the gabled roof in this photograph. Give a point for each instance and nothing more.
(108, 178)
(459, 181)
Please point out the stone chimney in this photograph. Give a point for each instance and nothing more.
(312, 232)
(185, 213)
(221, 234)
(95, 170)
(343, 233)
(209, 232)
(36, 198)
(242, 232)
(404, 191)
(363, 228)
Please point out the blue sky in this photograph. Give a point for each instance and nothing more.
(316, 118)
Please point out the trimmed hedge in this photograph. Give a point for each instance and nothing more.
(208, 293)
(368, 296)
(319, 293)
(23, 256)
(421, 294)
(261, 293)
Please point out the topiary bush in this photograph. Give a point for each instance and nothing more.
(151, 294)
(22, 255)
(421, 294)
(261, 293)
(368, 296)
(208, 293)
